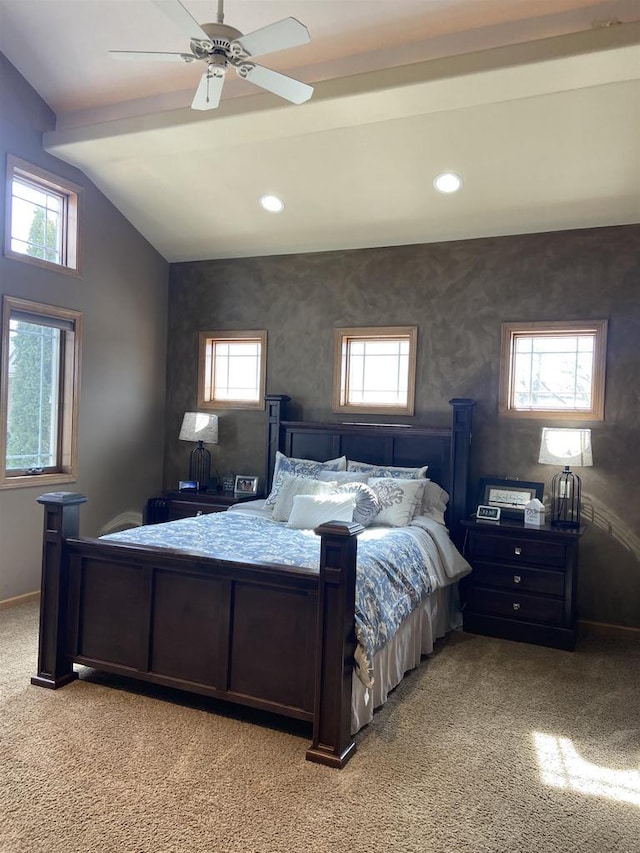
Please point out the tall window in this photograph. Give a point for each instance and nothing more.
(232, 370)
(554, 368)
(375, 370)
(42, 217)
(39, 396)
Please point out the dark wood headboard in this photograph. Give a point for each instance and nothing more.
(445, 451)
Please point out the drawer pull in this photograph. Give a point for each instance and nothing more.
(516, 606)
(517, 551)
(517, 578)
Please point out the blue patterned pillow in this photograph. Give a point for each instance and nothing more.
(307, 468)
(387, 470)
(367, 503)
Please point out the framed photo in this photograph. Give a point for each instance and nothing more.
(245, 485)
(509, 495)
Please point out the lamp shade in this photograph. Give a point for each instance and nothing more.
(570, 447)
(199, 426)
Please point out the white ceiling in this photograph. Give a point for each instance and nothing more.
(535, 104)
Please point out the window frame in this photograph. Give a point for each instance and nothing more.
(206, 342)
(69, 400)
(71, 256)
(512, 331)
(342, 337)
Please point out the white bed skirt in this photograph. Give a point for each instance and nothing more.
(438, 614)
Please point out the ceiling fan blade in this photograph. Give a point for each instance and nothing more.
(182, 18)
(286, 87)
(283, 34)
(160, 56)
(207, 96)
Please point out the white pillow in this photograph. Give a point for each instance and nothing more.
(343, 477)
(308, 468)
(367, 504)
(291, 486)
(434, 502)
(398, 498)
(387, 470)
(310, 511)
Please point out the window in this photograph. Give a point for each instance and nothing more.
(39, 393)
(232, 370)
(42, 220)
(375, 370)
(554, 368)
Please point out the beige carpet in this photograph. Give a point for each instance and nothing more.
(450, 765)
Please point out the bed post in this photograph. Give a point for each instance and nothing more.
(461, 421)
(336, 641)
(61, 521)
(276, 413)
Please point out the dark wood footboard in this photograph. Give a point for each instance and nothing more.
(274, 637)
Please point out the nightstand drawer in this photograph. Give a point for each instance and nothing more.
(189, 509)
(519, 578)
(530, 608)
(512, 549)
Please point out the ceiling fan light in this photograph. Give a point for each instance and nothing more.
(272, 203)
(447, 182)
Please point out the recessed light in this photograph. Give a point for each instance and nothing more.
(272, 203)
(447, 182)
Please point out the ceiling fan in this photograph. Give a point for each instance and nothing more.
(219, 46)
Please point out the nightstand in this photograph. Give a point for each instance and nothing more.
(173, 504)
(523, 583)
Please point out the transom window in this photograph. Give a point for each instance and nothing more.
(42, 217)
(39, 401)
(553, 368)
(232, 369)
(375, 370)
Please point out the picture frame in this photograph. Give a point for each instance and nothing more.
(245, 485)
(510, 496)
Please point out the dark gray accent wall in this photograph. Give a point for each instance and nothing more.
(458, 293)
(123, 298)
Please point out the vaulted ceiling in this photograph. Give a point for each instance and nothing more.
(535, 105)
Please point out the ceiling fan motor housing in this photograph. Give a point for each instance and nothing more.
(221, 42)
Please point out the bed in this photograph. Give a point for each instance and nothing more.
(281, 634)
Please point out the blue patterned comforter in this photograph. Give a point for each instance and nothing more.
(396, 567)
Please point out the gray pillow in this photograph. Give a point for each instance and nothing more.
(367, 504)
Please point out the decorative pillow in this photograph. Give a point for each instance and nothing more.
(300, 468)
(398, 498)
(387, 470)
(342, 477)
(291, 486)
(309, 511)
(434, 502)
(367, 504)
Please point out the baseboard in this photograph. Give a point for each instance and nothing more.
(602, 629)
(19, 599)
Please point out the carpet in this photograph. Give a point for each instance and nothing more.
(488, 747)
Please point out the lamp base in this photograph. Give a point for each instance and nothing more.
(200, 466)
(566, 489)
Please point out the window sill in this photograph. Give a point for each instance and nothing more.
(39, 481)
(547, 414)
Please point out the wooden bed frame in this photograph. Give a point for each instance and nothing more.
(242, 632)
